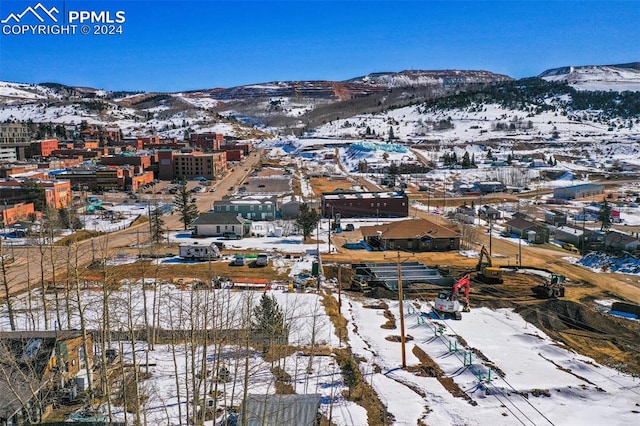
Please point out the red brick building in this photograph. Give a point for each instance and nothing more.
(207, 141)
(190, 165)
(140, 162)
(57, 193)
(44, 148)
(365, 204)
(13, 213)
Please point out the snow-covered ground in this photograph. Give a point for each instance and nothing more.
(574, 389)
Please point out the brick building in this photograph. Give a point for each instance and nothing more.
(57, 193)
(174, 165)
(365, 204)
(44, 148)
(139, 161)
(13, 213)
(207, 141)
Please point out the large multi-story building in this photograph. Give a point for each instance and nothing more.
(174, 165)
(12, 213)
(141, 162)
(15, 138)
(207, 141)
(56, 193)
(44, 148)
(14, 133)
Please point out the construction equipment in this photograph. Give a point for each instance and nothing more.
(447, 302)
(552, 288)
(486, 272)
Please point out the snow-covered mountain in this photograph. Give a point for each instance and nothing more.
(442, 78)
(598, 77)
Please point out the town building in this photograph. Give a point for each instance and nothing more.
(365, 204)
(617, 241)
(13, 213)
(213, 224)
(139, 161)
(490, 187)
(525, 229)
(207, 141)
(173, 165)
(44, 148)
(36, 365)
(249, 207)
(15, 140)
(555, 217)
(55, 193)
(416, 235)
(578, 191)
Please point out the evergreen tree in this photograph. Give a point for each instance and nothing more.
(349, 375)
(156, 225)
(466, 160)
(187, 209)
(368, 131)
(473, 159)
(308, 219)
(391, 135)
(604, 216)
(489, 154)
(268, 322)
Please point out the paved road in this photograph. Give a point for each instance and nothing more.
(30, 264)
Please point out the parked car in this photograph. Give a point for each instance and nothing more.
(570, 247)
(231, 236)
(262, 259)
(238, 260)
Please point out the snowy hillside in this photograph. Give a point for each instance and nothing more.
(136, 114)
(610, 77)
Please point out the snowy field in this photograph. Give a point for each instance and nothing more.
(579, 390)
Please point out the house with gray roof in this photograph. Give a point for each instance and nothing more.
(249, 207)
(214, 224)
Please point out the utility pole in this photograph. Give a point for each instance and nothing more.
(490, 235)
(340, 289)
(400, 301)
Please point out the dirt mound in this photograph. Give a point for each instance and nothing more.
(609, 340)
(561, 315)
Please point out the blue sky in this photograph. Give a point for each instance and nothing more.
(184, 45)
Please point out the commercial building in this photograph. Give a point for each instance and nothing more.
(365, 204)
(173, 165)
(55, 193)
(44, 148)
(13, 213)
(15, 139)
(416, 235)
(578, 191)
(249, 207)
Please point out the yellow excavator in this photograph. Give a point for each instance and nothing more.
(485, 271)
